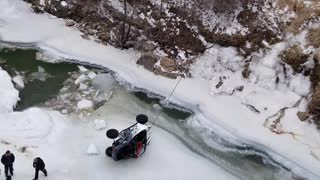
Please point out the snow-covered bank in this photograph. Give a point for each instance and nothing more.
(8, 94)
(62, 143)
(225, 115)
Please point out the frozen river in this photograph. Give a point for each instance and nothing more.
(177, 150)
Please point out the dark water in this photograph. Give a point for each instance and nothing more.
(35, 92)
(173, 113)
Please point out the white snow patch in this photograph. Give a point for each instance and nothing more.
(9, 96)
(300, 84)
(30, 127)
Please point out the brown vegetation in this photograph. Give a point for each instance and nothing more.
(314, 104)
(295, 57)
(304, 13)
(314, 37)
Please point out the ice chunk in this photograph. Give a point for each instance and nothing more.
(81, 79)
(41, 69)
(85, 104)
(83, 86)
(18, 80)
(82, 69)
(100, 124)
(157, 107)
(92, 75)
(103, 82)
(92, 150)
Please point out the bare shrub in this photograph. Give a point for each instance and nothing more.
(304, 13)
(314, 37)
(295, 57)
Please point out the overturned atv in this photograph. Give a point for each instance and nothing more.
(131, 142)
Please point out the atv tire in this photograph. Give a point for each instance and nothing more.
(109, 151)
(142, 118)
(112, 133)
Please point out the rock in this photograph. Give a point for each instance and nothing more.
(85, 104)
(92, 75)
(240, 88)
(148, 61)
(302, 115)
(246, 71)
(81, 79)
(168, 64)
(23, 149)
(220, 83)
(91, 32)
(64, 111)
(37, 9)
(158, 71)
(104, 36)
(92, 150)
(84, 36)
(59, 8)
(70, 23)
(100, 124)
(149, 46)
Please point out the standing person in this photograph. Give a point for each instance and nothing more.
(7, 160)
(39, 165)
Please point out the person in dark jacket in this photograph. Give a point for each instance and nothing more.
(39, 165)
(7, 160)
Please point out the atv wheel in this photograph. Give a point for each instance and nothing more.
(142, 118)
(112, 133)
(109, 151)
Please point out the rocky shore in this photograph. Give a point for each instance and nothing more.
(171, 34)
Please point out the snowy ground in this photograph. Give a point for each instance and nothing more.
(62, 141)
(224, 114)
